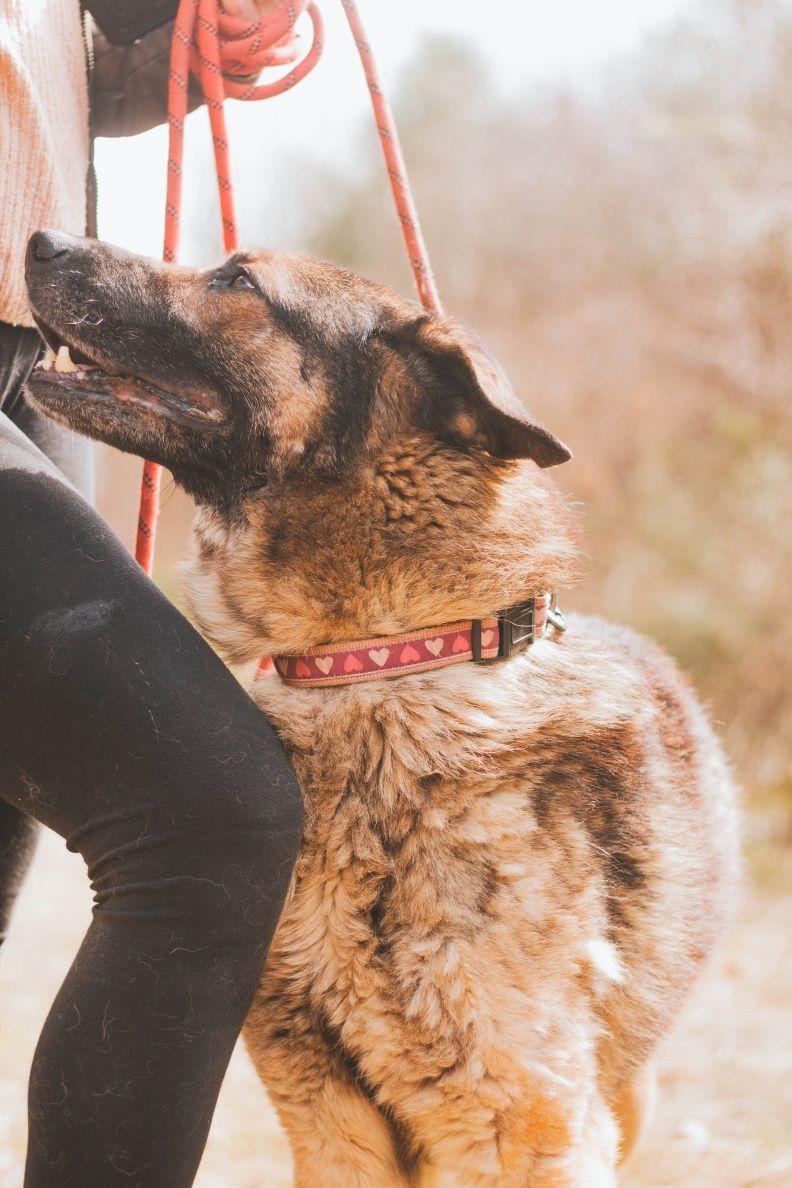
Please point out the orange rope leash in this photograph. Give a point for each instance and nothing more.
(214, 46)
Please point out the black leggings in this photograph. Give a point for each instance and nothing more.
(122, 731)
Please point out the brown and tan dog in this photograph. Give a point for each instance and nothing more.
(512, 872)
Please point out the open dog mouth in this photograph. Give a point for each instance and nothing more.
(65, 370)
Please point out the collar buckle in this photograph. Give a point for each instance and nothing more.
(517, 627)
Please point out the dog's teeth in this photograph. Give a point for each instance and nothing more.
(64, 362)
(47, 362)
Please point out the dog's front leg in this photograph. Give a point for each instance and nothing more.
(338, 1137)
(342, 1142)
(534, 1143)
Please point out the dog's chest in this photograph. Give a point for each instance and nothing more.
(379, 936)
(411, 888)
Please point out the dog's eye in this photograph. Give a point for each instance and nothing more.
(242, 280)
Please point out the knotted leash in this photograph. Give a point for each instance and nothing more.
(223, 52)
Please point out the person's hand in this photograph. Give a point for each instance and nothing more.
(249, 10)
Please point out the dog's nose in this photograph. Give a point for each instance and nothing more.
(46, 246)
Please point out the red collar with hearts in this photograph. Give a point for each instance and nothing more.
(482, 640)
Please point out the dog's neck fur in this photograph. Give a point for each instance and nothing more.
(405, 546)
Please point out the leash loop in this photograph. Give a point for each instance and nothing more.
(223, 52)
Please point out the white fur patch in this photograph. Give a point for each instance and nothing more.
(605, 959)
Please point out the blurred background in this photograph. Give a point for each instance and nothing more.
(606, 193)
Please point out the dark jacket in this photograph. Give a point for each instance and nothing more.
(129, 83)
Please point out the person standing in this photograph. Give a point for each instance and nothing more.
(119, 727)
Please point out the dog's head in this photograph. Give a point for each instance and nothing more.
(360, 466)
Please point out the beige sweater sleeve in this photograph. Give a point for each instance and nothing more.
(43, 134)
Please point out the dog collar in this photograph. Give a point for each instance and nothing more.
(481, 640)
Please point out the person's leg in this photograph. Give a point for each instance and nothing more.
(17, 843)
(122, 730)
(20, 348)
(73, 455)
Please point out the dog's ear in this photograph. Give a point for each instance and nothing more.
(471, 400)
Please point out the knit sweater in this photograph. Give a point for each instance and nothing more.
(43, 134)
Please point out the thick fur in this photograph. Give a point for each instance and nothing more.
(512, 873)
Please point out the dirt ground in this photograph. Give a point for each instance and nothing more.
(724, 1118)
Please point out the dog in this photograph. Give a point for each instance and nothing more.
(519, 850)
